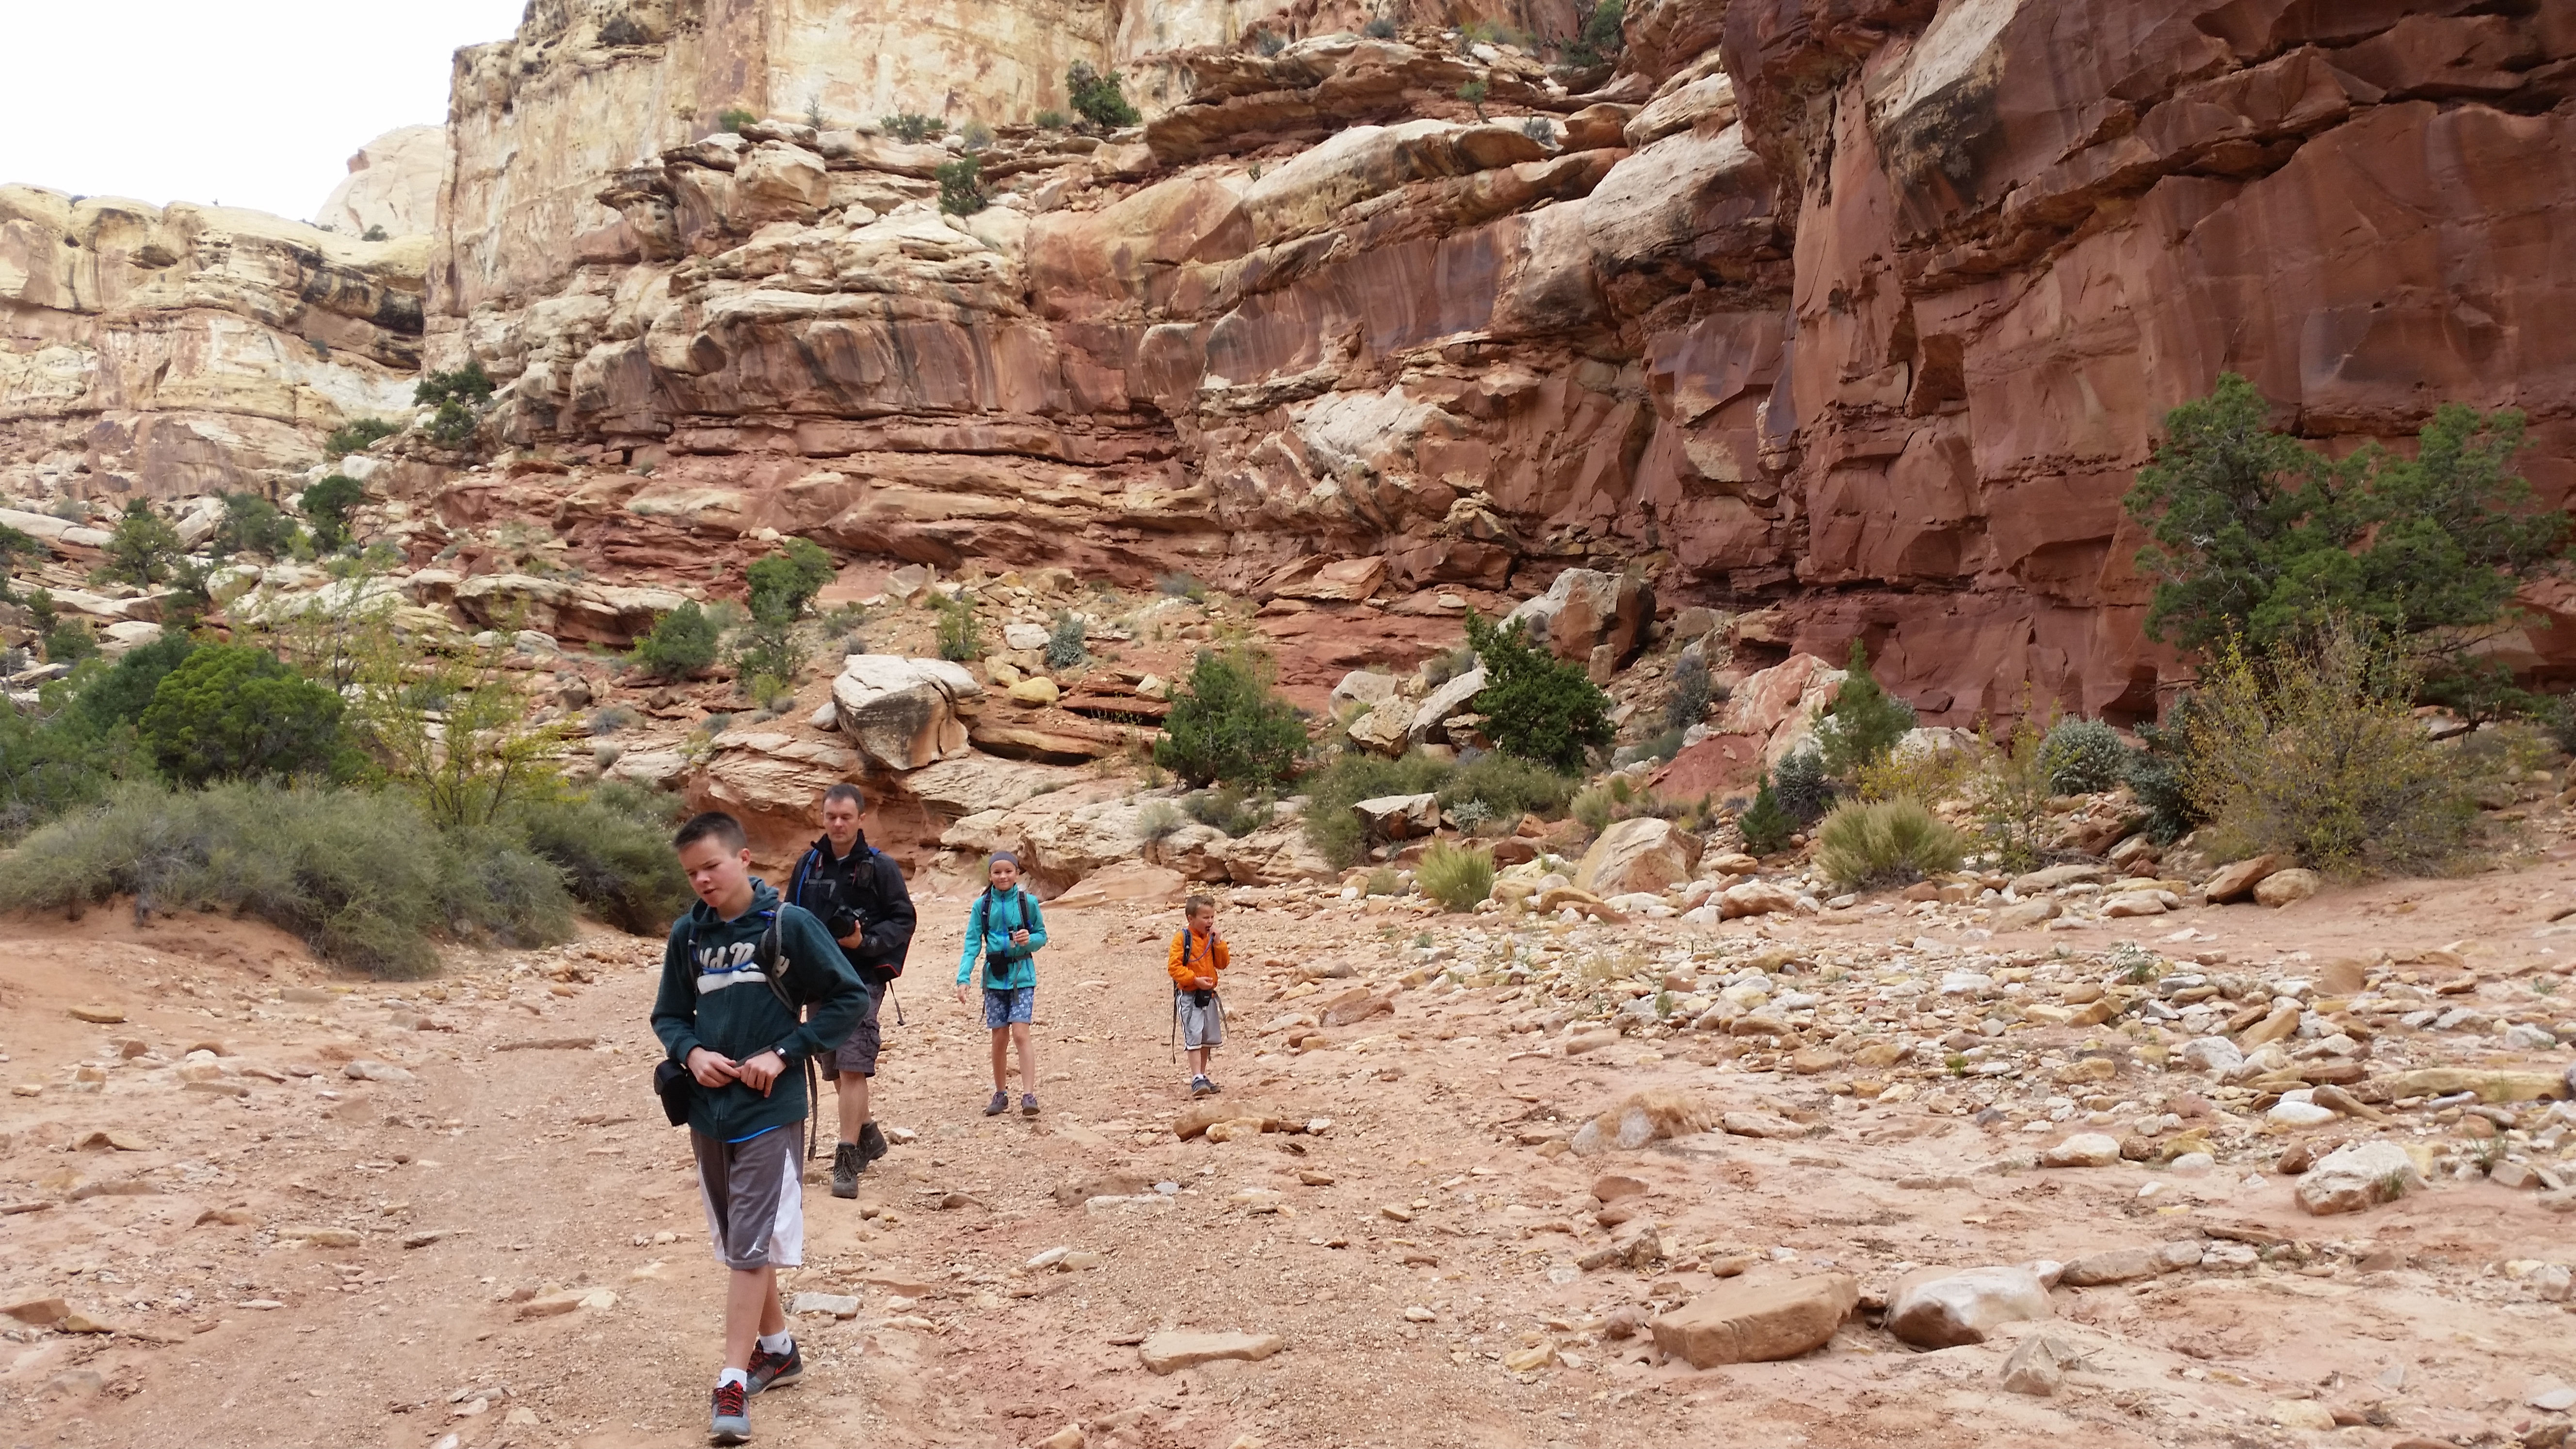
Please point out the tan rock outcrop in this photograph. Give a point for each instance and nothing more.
(392, 185)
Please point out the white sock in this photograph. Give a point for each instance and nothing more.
(733, 1376)
(778, 1342)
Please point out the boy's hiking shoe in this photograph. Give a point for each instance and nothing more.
(872, 1144)
(1029, 1104)
(732, 1423)
(1000, 1104)
(1212, 1088)
(846, 1163)
(1202, 1087)
(771, 1370)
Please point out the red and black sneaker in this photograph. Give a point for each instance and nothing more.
(769, 1370)
(732, 1419)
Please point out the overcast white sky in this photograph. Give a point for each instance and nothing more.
(247, 102)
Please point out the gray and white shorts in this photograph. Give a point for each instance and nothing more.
(755, 1197)
(1201, 1026)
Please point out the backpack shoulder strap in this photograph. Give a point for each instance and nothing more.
(769, 957)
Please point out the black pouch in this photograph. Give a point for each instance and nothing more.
(677, 1089)
(1201, 998)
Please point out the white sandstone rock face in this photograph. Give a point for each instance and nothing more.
(392, 184)
(898, 710)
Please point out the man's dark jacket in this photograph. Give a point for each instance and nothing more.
(862, 890)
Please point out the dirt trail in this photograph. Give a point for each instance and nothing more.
(1411, 1253)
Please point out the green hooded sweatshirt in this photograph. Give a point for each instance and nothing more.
(713, 996)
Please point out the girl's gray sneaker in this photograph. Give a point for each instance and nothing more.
(1029, 1104)
(1000, 1104)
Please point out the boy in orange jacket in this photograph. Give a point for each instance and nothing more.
(1196, 958)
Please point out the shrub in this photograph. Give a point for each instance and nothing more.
(767, 658)
(1864, 723)
(46, 769)
(361, 878)
(2256, 534)
(252, 524)
(118, 696)
(1596, 806)
(2311, 751)
(1064, 646)
(624, 30)
(1803, 788)
(1534, 706)
(1473, 93)
(1331, 792)
(469, 384)
(482, 752)
(1868, 844)
(2083, 756)
(612, 845)
(15, 545)
(1456, 878)
(2010, 791)
(1439, 669)
(1930, 773)
(1507, 787)
(1600, 37)
(143, 550)
(70, 641)
(961, 185)
(1095, 97)
(1380, 28)
(1161, 820)
(358, 435)
(1227, 724)
(231, 712)
(2156, 778)
(609, 719)
(782, 585)
(41, 610)
(961, 638)
(1050, 120)
(683, 643)
(976, 135)
(1539, 129)
(1183, 586)
(1765, 826)
(734, 118)
(372, 233)
(1226, 810)
(1386, 880)
(913, 126)
(1691, 693)
(327, 506)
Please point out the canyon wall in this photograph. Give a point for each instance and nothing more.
(170, 351)
(1854, 316)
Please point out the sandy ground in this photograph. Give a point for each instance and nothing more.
(289, 1255)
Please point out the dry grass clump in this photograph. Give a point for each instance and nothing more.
(1866, 844)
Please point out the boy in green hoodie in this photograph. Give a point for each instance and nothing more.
(722, 1019)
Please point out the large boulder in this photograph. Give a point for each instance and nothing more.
(1399, 817)
(901, 712)
(1448, 699)
(1946, 1307)
(1386, 729)
(1757, 1322)
(1361, 686)
(1586, 608)
(2236, 882)
(1776, 705)
(591, 613)
(1643, 854)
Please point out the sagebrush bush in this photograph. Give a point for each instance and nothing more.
(1227, 810)
(961, 638)
(683, 643)
(363, 878)
(2312, 751)
(1228, 725)
(612, 848)
(1161, 820)
(2083, 756)
(1064, 646)
(1803, 787)
(1456, 878)
(1351, 778)
(1507, 787)
(1866, 844)
(1691, 693)
(1928, 772)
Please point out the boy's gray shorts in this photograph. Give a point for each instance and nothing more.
(1201, 1026)
(755, 1197)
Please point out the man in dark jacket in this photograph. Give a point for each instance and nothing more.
(858, 893)
(736, 970)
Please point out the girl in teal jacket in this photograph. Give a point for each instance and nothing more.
(1006, 928)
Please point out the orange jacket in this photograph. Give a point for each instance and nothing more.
(1206, 957)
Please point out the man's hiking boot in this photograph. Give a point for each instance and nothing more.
(1028, 1104)
(1000, 1104)
(732, 1424)
(846, 1162)
(872, 1144)
(770, 1370)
